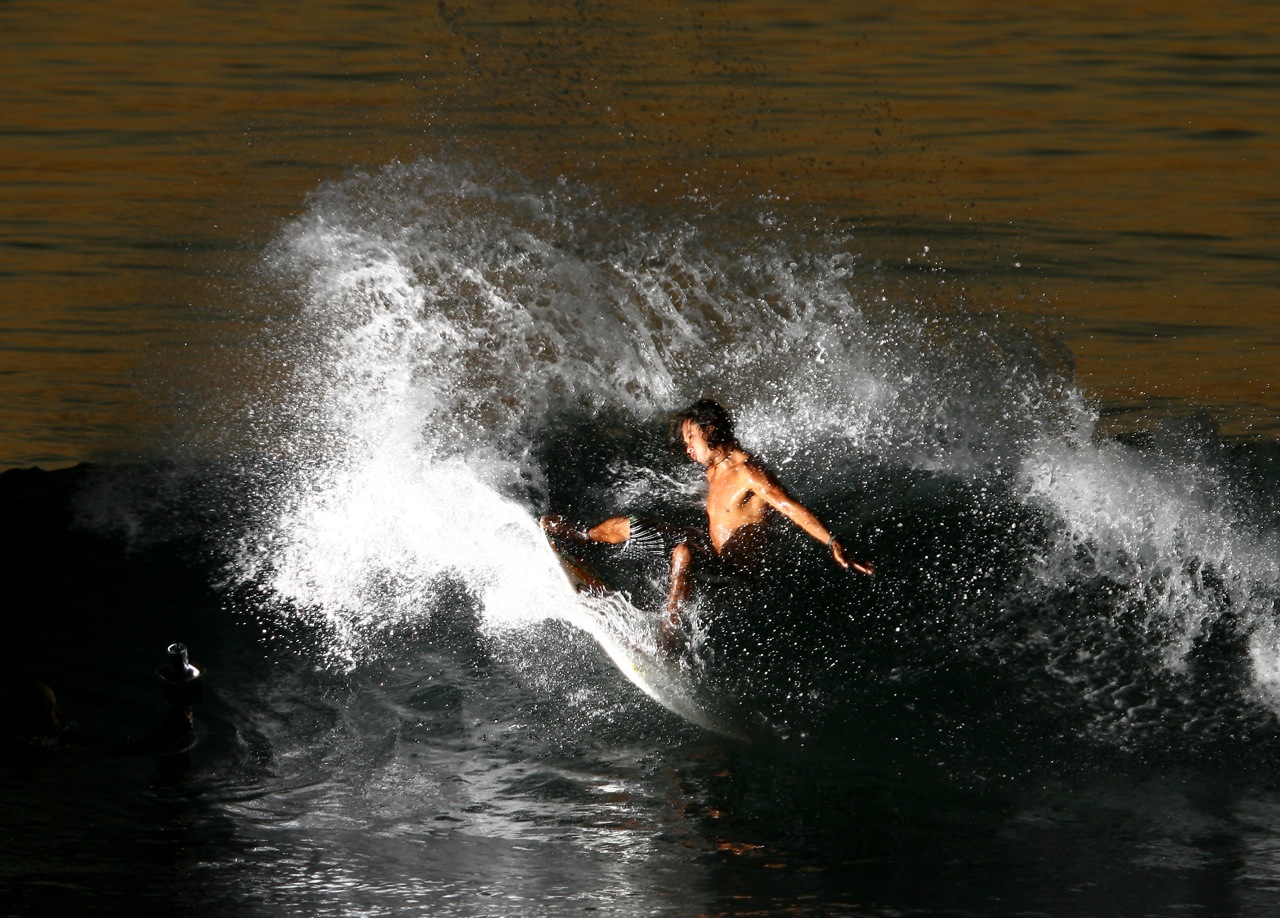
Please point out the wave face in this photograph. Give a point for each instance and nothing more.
(465, 350)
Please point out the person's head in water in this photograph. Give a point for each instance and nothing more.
(711, 419)
(31, 713)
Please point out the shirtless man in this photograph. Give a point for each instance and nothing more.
(739, 493)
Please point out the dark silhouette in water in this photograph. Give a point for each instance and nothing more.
(33, 720)
(31, 716)
(183, 687)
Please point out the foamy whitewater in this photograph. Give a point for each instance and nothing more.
(469, 351)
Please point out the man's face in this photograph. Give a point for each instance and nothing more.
(695, 443)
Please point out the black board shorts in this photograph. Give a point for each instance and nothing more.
(652, 540)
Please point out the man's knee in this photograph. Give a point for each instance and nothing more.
(614, 530)
(680, 557)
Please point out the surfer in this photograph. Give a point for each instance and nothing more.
(740, 491)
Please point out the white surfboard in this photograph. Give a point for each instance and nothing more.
(625, 633)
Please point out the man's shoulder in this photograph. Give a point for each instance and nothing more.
(753, 468)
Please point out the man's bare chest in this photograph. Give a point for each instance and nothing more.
(733, 495)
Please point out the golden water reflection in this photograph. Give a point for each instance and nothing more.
(1118, 161)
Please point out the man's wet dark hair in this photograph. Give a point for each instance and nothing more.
(712, 417)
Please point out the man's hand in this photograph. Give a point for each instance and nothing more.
(837, 552)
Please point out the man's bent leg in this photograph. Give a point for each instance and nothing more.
(613, 531)
(671, 629)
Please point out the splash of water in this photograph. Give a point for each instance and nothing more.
(447, 322)
(1162, 536)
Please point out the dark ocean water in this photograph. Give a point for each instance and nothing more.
(334, 306)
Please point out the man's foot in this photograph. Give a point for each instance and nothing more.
(671, 634)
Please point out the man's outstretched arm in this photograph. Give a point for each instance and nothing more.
(777, 497)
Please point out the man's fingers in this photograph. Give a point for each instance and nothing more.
(837, 552)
